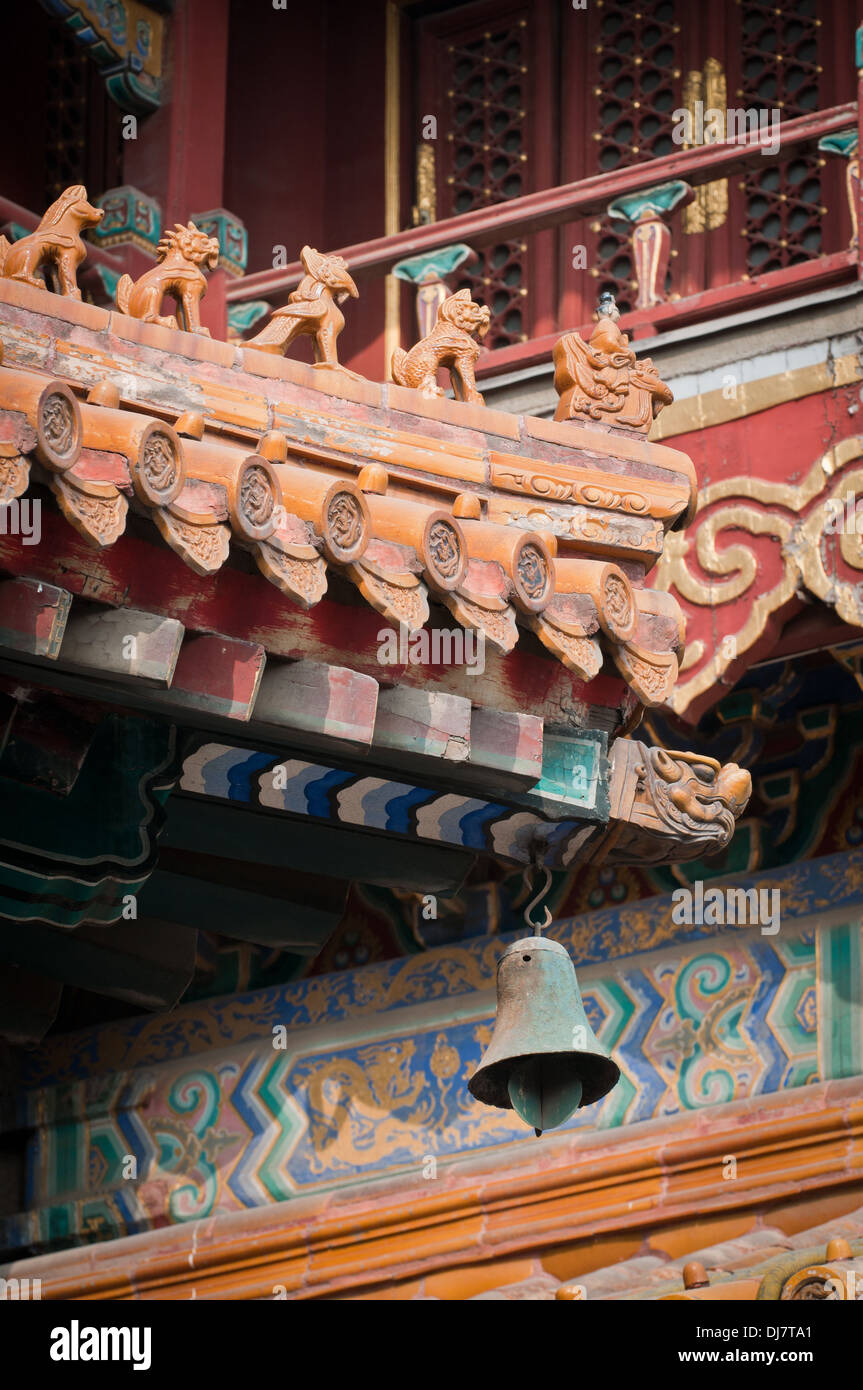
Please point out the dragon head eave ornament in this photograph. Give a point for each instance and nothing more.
(669, 806)
(696, 794)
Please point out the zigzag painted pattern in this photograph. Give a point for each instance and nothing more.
(697, 1026)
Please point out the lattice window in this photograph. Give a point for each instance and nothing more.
(84, 143)
(66, 109)
(636, 57)
(780, 70)
(487, 141)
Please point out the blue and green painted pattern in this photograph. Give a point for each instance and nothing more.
(123, 42)
(808, 890)
(692, 1027)
(342, 797)
(840, 1002)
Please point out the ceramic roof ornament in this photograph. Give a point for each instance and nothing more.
(450, 344)
(56, 242)
(312, 309)
(601, 380)
(181, 253)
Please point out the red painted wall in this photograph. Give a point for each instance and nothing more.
(304, 149)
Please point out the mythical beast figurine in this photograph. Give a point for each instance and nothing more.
(602, 379)
(312, 308)
(180, 255)
(56, 242)
(450, 344)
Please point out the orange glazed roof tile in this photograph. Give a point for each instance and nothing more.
(305, 480)
(557, 540)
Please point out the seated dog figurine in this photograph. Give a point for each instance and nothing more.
(56, 242)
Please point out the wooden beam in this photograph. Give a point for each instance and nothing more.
(422, 724)
(218, 675)
(48, 739)
(28, 1005)
(504, 763)
(124, 644)
(211, 827)
(299, 927)
(147, 963)
(313, 697)
(149, 577)
(508, 744)
(33, 617)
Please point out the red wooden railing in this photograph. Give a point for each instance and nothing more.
(553, 207)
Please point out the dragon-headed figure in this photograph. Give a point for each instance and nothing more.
(312, 309)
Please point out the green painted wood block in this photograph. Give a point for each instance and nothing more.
(843, 143)
(132, 218)
(840, 1001)
(574, 774)
(230, 232)
(242, 317)
(658, 201)
(432, 265)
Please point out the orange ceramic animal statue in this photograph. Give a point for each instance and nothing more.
(312, 308)
(56, 242)
(180, 254)
(603, 380)
(450, 344)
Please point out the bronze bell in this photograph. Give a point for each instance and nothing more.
(544, 1060)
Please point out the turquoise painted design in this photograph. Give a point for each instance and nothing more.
(432, 265)
(572, 772)
(76, 858)
(701, 1025)
(119, 46)
(843, 142)
(652, 202)
(195, 1098)
(242, 317)
(793, 1014)
(840, 1001)
(453, 971)
(231, 235)
(131, 218)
